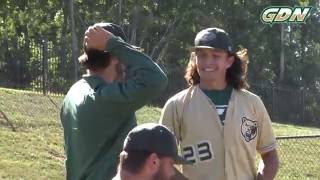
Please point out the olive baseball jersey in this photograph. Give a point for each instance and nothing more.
(219, 152)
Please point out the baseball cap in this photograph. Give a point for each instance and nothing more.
(153, 138)
(213, 38)
(114, 29)
(111, 27)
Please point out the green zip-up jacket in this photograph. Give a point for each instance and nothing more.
(96, 116)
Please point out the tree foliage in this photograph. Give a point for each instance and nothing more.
(165, 30)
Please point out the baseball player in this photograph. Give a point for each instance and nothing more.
(149, 153)
(219, 125)
(99, 109)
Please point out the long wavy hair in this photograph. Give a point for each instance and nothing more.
(236, 73)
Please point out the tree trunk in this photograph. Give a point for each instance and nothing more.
(75, 50)
(119, 20)
(164, 40)
(63, 44)
(281, 73)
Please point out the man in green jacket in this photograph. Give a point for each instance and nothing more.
(99, 109)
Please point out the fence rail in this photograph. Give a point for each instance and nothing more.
(45, 66)
(297, 137)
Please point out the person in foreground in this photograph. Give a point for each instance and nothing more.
(149, 153)
(219, 125)
(99, 110)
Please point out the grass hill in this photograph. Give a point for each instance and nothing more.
(31, 139)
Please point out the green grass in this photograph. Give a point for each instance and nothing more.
(35, 149)
(299, 159)
(291, 130)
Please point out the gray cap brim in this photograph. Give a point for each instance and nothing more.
(200, 47)
(203, 47)
(209, 47)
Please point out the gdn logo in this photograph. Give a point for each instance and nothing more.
(281, 14)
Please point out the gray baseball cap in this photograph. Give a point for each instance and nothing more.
(153, 138)
(213, 38)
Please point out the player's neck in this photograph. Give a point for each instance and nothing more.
(106, 74)
(213, 85)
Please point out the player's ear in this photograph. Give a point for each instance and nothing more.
(114, 60)
(230, 61)
(243, 119)
(153, 162)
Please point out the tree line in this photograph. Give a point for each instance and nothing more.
(282, 55)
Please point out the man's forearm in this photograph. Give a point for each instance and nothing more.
(268, 167)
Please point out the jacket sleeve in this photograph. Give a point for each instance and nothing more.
(145, 78)
(267, 140)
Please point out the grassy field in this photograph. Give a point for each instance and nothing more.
(31, 142)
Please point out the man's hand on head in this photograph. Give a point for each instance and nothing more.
(97, 37)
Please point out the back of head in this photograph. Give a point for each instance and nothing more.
(144, 140)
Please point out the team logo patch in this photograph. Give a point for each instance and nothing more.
(249, 129)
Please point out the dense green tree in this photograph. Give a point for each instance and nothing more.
(164, 30)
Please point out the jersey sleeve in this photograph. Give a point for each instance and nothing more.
(267, 140)
(170, 118)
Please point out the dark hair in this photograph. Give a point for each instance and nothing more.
(95, 59)
(133, 161)
(192, 76)
(235, 76)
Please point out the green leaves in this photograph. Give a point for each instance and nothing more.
(303, 2)
(166, 29)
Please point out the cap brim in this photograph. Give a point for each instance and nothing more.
(181, 160)
(200, 47)
(209, 47)
(204, 47)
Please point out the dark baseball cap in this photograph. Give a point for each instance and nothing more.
(213, 38)
(155, 138)
(113, 28)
